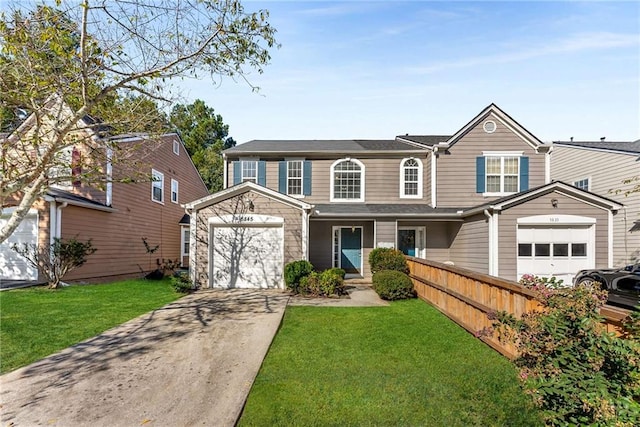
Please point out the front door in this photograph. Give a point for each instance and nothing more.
(351, 249)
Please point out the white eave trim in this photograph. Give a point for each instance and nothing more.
(243, 188)
(78, 203)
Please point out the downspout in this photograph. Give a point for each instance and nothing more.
(109, 195)
(610, 239)
(225, 171)
(52, 220)
(433, 177)
(490, 220)
(59, 219)
(193, 256)
(547, 165)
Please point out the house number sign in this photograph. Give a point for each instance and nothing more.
(243, 218)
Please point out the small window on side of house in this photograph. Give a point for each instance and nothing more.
(157, 186)
(176, 147)
(582, 184)
(174, 190)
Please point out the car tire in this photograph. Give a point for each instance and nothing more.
(590, 283)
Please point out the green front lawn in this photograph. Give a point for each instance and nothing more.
(36, 322)
(406, 364)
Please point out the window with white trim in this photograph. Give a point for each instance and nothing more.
(411, 178)
(582, 184)
(157, 186)
(185, 241)
(294, 177)
(176, 147)
(502, 174)
(249, 171)
(347, 181)
(174, 190)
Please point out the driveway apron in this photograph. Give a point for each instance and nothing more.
(189, 363)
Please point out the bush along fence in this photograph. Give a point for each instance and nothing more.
(467, 297)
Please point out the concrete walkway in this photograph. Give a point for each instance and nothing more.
(189, 363)
(360, 295)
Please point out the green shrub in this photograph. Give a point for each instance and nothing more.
(574, 370)
(338, 271)
(392, 285)
(387, 259)
(325, 284)
(294, 272)
(332, 282)
(181, 283)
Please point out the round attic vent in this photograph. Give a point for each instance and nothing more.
(489, 126)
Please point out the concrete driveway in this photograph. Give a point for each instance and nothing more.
(189, 363)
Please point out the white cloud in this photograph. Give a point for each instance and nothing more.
(576, 43)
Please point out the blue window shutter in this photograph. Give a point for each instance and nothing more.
(282, 177)
(306, 178)
(237, 172)
(262, 173)
(524, 173)
(480, 175)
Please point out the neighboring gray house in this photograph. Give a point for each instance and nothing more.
(601, 167)
(481, 198)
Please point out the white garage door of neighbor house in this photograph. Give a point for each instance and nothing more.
(555, 250)
(12, 265)
(246, 256)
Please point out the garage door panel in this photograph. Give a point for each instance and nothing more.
(12, 265)
(556, 250)
(247, 257)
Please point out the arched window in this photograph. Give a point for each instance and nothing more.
(411, 178)
(347, 181)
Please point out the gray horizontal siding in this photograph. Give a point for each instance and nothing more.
(456, 172)
(470, 244)
(606, 172)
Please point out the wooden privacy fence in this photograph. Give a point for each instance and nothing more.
(466, 297)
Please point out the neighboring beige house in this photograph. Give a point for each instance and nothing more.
(481, 198)
(601, 167)
(116, 217)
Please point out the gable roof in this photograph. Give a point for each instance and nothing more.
(494, 111)
(241, 188)
(620, 147)
(338, 146)
(533, 193)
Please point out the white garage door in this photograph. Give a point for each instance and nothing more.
(12, 265)
(246, 256)
(555, 250)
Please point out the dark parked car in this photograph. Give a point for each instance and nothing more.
(623, 283)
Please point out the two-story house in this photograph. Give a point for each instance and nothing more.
(117, 216)
(602, 167)
(480, 198)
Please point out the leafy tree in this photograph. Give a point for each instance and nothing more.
(56, 260)
(205, 136)
(88, 69)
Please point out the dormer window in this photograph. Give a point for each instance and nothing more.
(411, 179)
(347, 181)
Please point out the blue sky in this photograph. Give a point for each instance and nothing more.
(380, 69)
